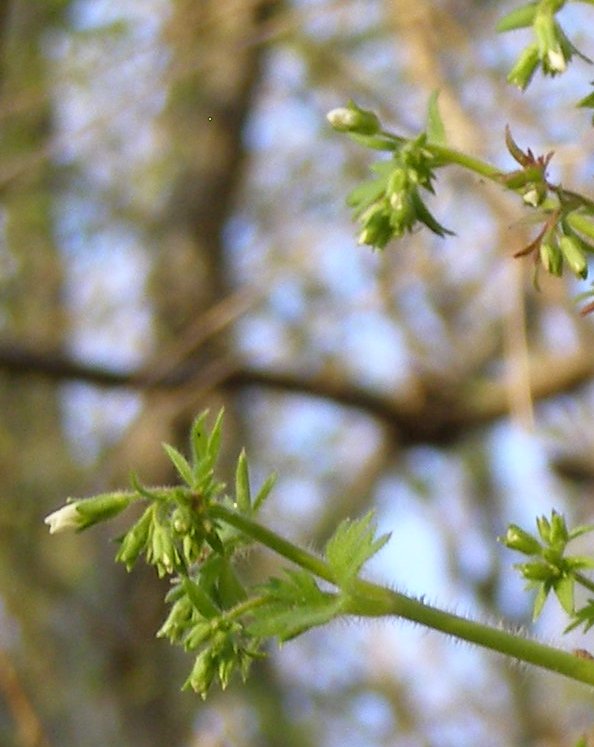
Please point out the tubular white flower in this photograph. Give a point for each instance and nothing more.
(63, 519)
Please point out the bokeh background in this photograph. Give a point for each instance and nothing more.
(173, 236)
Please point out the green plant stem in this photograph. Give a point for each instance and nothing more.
(449, 155)
(371, 600)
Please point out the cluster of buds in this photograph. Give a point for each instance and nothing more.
(558, 243)
(567, 232)
(549, 568)
(551, 49)
(390, 204)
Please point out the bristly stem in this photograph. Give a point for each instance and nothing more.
(369, 599)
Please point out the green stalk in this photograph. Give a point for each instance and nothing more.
(371, 600)
(449, 155)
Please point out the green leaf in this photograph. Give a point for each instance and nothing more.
(264, 492)
(200, 599)
(351, 546)
(435, 128)
(583, 616)
(198, 439)
(231, 590)
(181, 464)
(284, 624)
(242, 484)
(213, 445)
(518, 18)
(366, 193)
(581, 529)
(423, 215)
(564, 593)
(295, 604)
(539, 601)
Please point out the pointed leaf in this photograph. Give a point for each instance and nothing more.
(539, 600)
(242, 484)
(351, 546)
(181, 464)
(198, 439)
(564, 592)
(264, 492)
(214, 440)
(435, 128)
(518, 18)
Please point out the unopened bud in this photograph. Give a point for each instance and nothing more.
(522, 72)
(518, 539)
(574, 255)
(352, 118)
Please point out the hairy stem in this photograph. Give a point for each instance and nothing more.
(371, 600)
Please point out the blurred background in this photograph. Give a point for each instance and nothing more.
(173, 236)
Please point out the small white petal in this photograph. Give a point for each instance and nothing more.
(63, 519)
(556, 60)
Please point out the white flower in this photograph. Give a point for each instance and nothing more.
(63, 519)
(556, 60)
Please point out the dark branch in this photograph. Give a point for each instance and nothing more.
(441, 416)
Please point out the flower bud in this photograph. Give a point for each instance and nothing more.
(518, 539)
(135, 539)
(536, 571)
(551, 257)
(202, 673)
(352, 118)
(84, 513)
(574, 255)
(63, 519)
(523, 71)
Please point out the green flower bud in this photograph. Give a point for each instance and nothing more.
(518, 539)
(583, 225)
(200, 633)
(574, 255)
(377, 230)
(536, 571)
(135, 539)
(352, 118)
(550, 42)
(178, 620)
(551, 257)
(523, 71)
(162, 551)
(202, 674)
(84, 513)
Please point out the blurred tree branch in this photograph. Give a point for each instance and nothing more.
(439, 415)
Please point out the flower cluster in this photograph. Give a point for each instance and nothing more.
(567, 233)
(390, 204)
(549, 568)
(551, 50)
